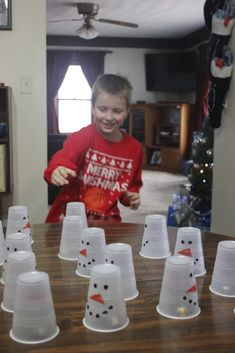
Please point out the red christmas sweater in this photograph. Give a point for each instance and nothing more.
(105, 170)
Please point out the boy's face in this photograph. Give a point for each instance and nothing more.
(109, 112)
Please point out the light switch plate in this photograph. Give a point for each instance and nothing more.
(26, 85)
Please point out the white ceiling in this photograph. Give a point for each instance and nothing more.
(156, 18)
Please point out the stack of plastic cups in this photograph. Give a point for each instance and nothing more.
(18, 262)
(77, 209)
(120, 254)
(2, 245)
(105, 308)
(178, 296)
(92, 250)
(189, 243)
(34, 319)
(223, 277)
(18, 221)
(70, 237)
(15, 242)
(155, 243)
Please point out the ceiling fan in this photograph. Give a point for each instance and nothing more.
(87, 12)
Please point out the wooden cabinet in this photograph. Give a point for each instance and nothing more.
(5, 141)
(163, 131)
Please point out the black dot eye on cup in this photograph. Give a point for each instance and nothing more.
(106, 286)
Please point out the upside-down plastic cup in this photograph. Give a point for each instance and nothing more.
(70, 237)
(18, 221)
(92, 250)
(15, 242)
(77, 209)
(34, 319)
(155, 243)
(2, 245)
(223, 277)
(18, 262)
(189, 243)
(120, 254)
(178, 297)
(106, 307)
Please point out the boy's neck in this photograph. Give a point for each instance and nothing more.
(116, 137)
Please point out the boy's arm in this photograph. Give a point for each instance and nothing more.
(131, 197)
(64, 163)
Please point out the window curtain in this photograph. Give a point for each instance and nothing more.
(201, 96)
(58, 61)
(202, 89)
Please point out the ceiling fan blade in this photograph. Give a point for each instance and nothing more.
(119, 23)
(68, 20)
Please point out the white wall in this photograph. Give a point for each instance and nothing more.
(223, 200)
(23, 54)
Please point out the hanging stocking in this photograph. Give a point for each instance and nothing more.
(220, 73)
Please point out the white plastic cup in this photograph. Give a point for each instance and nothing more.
(77, 209)
(34, 319)
(178, 297)
(223, 276)
(189, 243)
(15, 242)
(92, 250)
(18, 262)
(18, 221)
(155, 243)
(120, 254)
(106, 307)
(2, 245)
(70, 237)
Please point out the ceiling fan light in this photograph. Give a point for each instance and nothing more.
(87, 31)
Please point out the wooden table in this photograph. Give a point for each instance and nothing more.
(212, 331)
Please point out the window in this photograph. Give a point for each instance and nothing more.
(74, 101)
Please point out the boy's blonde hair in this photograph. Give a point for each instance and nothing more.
(114, 85)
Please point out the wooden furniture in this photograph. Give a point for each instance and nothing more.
(163, 131)
(5, 141)
(211, 331)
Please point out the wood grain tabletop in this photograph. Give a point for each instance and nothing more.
(213, 330)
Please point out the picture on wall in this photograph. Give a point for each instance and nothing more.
(5, 15)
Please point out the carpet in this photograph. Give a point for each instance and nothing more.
(156, 195)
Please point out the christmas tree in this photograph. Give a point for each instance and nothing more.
(202, 170)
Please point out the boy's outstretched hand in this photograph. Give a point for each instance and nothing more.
(61, 174)
(133, 198)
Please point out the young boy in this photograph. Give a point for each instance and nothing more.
(100, 164)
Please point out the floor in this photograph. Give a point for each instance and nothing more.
(156, 195)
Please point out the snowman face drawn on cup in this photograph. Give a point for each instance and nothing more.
(178, 297)
(189, 243)
(18, 221)
(92, 252)
(15, 242)
(155, 242)
(97, 299)
(105, 308)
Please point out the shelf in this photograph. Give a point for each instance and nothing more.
(163, 131)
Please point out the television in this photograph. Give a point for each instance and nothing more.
(173, 71)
